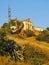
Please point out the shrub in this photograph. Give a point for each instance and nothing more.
(29, 33)
(44, 36)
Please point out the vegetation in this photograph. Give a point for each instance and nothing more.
(6, 28)
(2, 38)
(22, 52)
(34, 56)
(44, 35)
(29, 33)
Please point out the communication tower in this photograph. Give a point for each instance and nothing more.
(9, 13)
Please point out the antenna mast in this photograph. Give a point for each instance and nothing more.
(9, 13)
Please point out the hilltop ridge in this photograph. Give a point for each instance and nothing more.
(33, 45)
(23, 25)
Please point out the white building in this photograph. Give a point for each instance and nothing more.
(27, 24)
(38, 29)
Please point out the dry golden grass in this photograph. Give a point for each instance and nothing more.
(32, 42)
(6, 61)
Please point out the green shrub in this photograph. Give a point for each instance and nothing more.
(43, 36)
(29, 33)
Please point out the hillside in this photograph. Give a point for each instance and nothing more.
(32, 42)
(32, 46)
(40, 52)
(38, 46)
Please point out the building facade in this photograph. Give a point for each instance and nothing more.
(27, 24)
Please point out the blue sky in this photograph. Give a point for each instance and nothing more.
(36, 10)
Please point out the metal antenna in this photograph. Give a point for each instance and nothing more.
(9, 13)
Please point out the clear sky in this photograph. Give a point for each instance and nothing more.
(36, 10)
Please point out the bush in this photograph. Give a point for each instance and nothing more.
(44, 36)
(29, 33)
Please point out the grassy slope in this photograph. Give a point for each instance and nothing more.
(32, 42)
